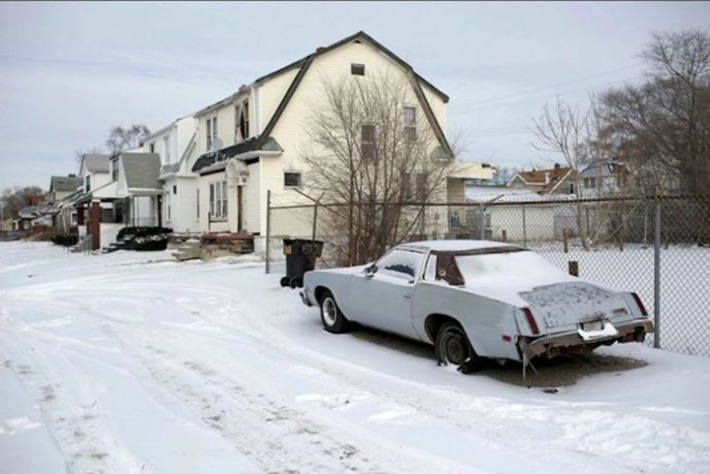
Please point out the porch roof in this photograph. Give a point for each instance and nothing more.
(218, 159)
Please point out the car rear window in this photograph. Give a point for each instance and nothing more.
(503, 265)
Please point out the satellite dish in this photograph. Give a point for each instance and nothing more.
(216, 144)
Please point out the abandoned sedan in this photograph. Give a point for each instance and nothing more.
(476, 299)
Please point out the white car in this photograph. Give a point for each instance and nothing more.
(474, 299)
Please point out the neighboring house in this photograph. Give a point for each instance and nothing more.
(119, 191)
(604, 178)
(61, 188)
(176, 145)
(537, 217)
(557, 180)
(252, 142)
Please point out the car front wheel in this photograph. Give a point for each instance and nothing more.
(333, 319)
(453, 348)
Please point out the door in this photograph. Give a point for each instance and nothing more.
(383, 299)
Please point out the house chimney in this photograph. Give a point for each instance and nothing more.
(547, 177)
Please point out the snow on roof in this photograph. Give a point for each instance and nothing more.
(453, 245)
(484, 194)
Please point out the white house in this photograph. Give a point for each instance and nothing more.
(252, 142)
(176, 145)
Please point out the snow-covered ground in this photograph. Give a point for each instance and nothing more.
(130, 362)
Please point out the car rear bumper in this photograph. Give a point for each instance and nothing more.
(570, 342)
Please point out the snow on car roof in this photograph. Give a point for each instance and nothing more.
(453, 245)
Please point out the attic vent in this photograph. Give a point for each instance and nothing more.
(357, 69)
(357, 41)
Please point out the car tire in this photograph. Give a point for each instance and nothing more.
(453, 348)
(333, 319)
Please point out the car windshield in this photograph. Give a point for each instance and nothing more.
(524, 264)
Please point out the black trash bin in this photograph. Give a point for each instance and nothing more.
(301, 257)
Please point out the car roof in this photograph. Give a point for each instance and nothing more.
(452, 245)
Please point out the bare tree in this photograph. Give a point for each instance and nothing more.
(14, 199)
(563, 130)
(80, 152)
(121, 139)
(379, 160)
(663, 125)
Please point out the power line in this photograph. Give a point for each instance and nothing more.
(533, 99)
(530, 91)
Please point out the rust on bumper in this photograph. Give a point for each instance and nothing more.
(572, 342)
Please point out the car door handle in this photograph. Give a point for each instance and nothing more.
(407, 296)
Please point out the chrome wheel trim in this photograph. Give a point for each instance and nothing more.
(330, 311)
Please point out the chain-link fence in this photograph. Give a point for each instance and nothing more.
(656, 247)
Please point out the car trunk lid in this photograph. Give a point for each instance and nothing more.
(566, 306)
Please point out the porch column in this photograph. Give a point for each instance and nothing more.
(95, 225)
(80, 215)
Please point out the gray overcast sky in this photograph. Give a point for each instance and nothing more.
(70, 71)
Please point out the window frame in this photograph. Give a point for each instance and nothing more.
(293, 173)
(357, 69)
(371, 145)
(409, 128)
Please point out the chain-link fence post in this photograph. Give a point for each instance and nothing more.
(315, 220)
(657, 279)
(525, 230)
(268, 230)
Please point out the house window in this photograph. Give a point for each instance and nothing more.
(292, 180)
(571, 188)
(218, 200)
(590, 182)
(168, 211)
(87, 182)
(152, 147)
(409, 122)
(114, 170)
(357, 69)
(166, 150)
(73, 218)
(211, 131)
(175, 189)
(368, 137)
(243, 121)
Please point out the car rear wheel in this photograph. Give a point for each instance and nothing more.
(453, 348)
(333, 319)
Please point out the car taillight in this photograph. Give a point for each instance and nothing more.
(640, 304)
(531, 321)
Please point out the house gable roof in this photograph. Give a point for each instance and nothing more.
(95, 163)
(546, 179)
(141, 170)
(358, 35)
(58, 184)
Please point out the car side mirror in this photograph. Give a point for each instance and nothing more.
(370, 271)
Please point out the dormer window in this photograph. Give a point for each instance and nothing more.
(243, 121)
(211, 131)
(357, 69)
